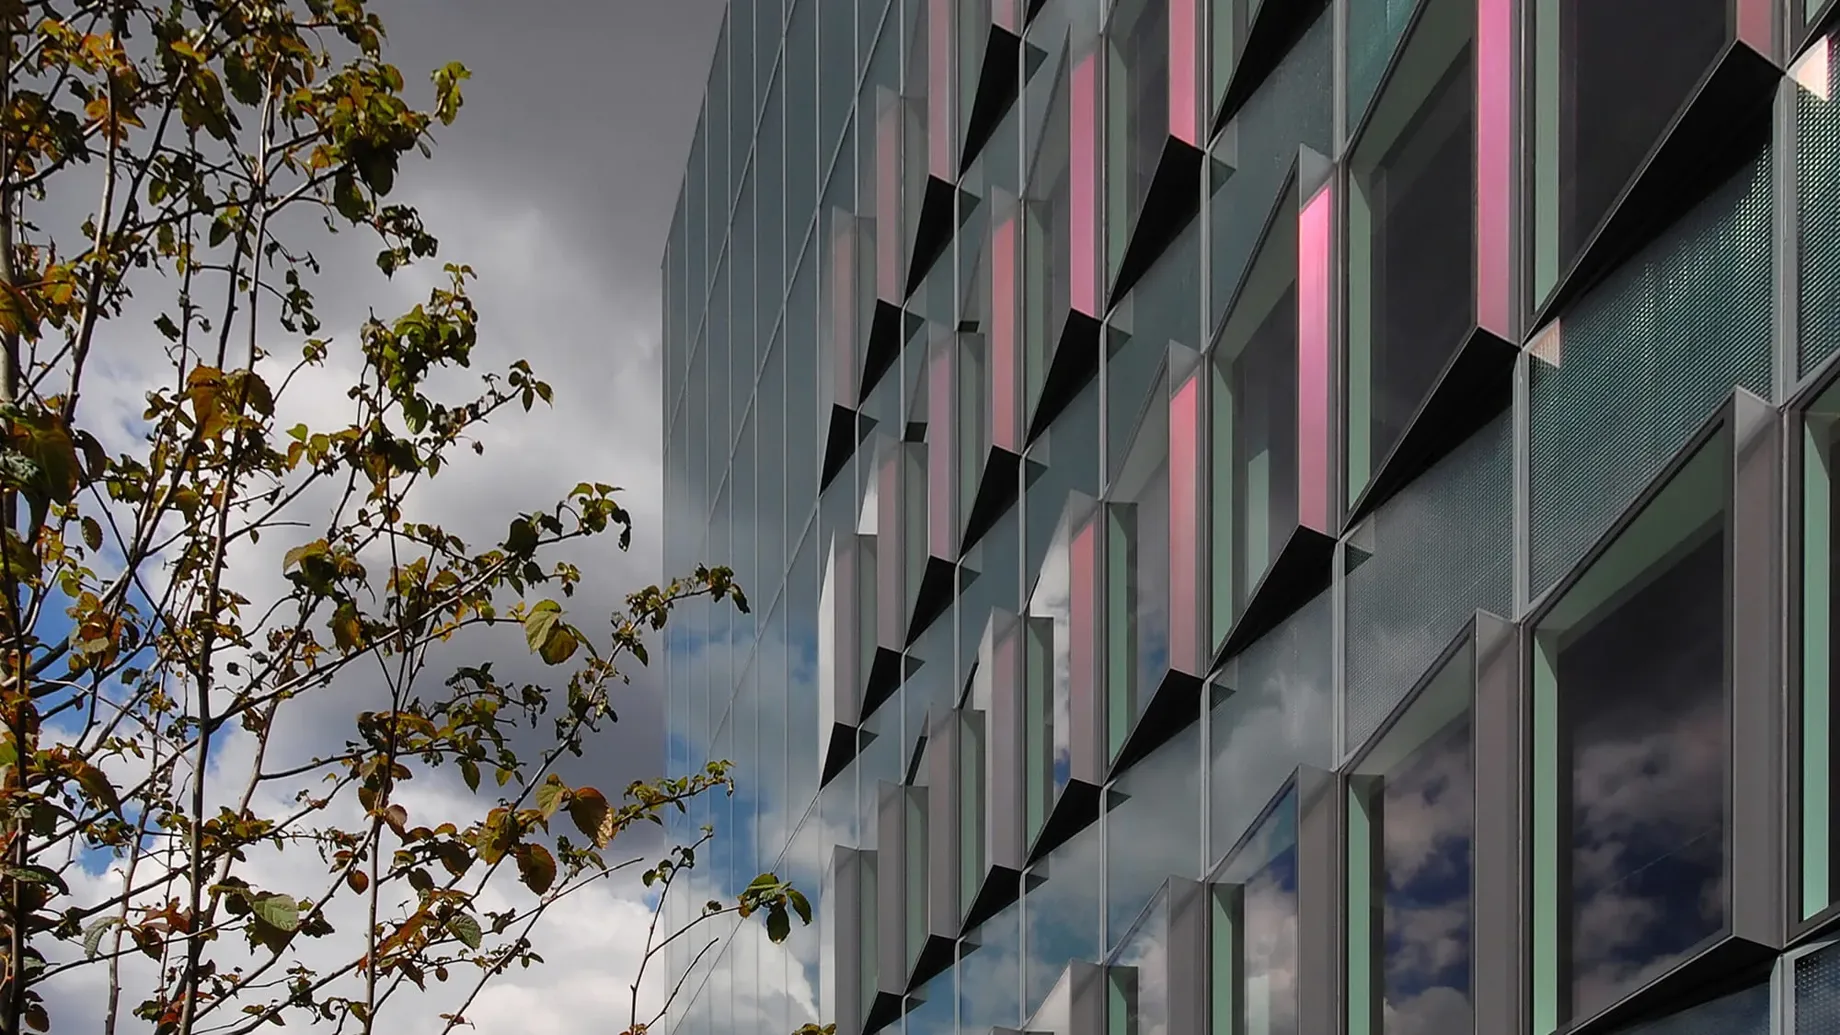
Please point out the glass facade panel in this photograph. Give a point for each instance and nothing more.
(1061, 917)
(1285, 121)
(1137, 111)
(1275, 713)
(1254, 480)
(1253, 928)
(1137, 993)
(1152, 831)
(991, 712)
(1137, 578)
(990, 958)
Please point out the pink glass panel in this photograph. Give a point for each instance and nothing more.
(1313, 302)
(1005, 345)
(940, 134)
(1184, 544)
(843, 309)
(941, 447)
(1184, 71)
(888, 198)
(1083, 615)
(1084, 175)
(1754, 25)
(1494, 161)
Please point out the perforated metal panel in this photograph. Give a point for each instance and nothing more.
(1817, 198)
(1817, 992)
(1374, 30)
(1441, 550)
(1642, 361)
(1741, 1013)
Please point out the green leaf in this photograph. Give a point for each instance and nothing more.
(553, 640)
(469, 771)
(17, 559)
(522, 537)
(560, 646)
(799, 905)
(280, 912)
(537, 867)
(92, 533)
(465, 928)
(779, 925)
(299, 554)
(541, 619)
(92, 936)
(35, 874)
(550, 796)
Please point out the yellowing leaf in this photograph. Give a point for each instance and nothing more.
(346, 631)
(590, 811)
(96, 785)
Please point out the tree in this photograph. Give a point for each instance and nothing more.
(145, 672)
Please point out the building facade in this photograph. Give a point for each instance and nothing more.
(1263, 517)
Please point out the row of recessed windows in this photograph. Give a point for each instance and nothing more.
(1625, 735)
(1217, 446)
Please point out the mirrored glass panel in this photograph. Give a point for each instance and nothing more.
(1253, 929)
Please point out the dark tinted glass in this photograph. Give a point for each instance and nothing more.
(1263, 383)
(1614, 108)
(1642, 706)
(1424, 218)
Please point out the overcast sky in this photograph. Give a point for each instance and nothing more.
(557, 184)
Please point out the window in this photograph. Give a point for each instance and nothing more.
(1411, 227)
(1137, 577)
(1138, 111)
(1411, 824)
(1820, 862)
(1137, 993)
(1597, 115)
(1254, 423)
(1253, 929)
(1631, 746)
